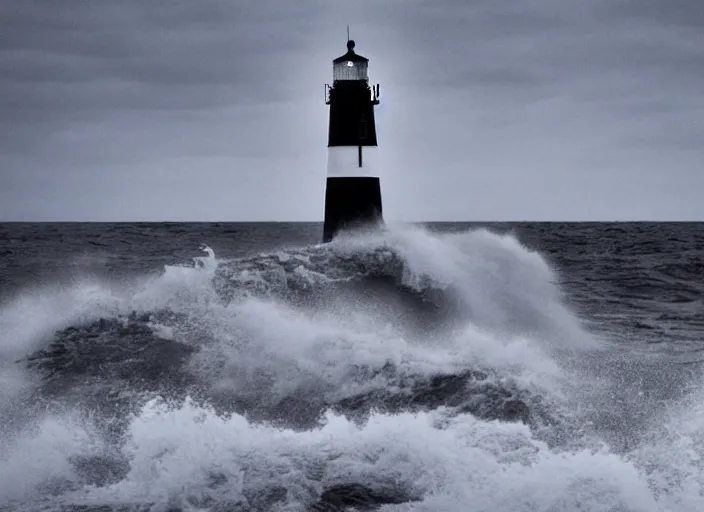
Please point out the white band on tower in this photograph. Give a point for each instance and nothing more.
(343, 162)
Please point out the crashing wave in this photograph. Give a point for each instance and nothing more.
(407, 371)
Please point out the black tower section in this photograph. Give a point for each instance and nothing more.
(353, 191)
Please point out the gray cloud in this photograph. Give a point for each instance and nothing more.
(683, 13)
(175, 109)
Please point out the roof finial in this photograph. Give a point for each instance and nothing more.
(350, 43)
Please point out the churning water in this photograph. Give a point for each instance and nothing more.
(406, 370)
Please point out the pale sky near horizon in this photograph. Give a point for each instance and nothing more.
(214, 110)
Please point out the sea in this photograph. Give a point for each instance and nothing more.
(455, 367)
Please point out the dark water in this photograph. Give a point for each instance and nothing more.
(451, 367)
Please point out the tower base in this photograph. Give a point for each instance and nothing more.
(351, 203)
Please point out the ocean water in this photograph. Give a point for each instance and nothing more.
(447, 367)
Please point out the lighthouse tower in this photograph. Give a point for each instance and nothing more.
(352, 192)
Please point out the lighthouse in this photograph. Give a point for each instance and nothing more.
(352, 190)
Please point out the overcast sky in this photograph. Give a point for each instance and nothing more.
(214, 109)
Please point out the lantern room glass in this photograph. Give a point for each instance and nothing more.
(349, 70)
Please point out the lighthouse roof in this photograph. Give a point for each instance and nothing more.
(350, 55)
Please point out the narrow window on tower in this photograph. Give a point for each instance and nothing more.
(362, 129)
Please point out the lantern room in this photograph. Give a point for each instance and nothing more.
(350, 66)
